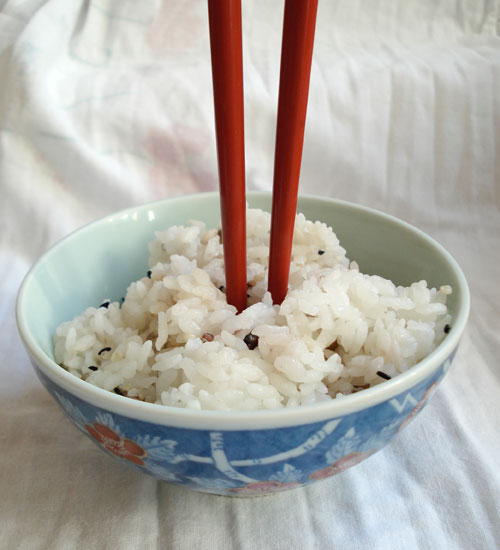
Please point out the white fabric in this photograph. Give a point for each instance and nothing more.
(107, 103)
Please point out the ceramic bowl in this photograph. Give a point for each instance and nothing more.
(232, 453)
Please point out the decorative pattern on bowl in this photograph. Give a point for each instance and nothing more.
(247, 462)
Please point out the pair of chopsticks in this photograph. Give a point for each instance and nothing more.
(227, 72)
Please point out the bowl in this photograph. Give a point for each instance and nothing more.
(232, 453)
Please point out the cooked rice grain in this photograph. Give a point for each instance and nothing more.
(175, 341)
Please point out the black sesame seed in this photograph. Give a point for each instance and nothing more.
(104, 350)
(251, 341)
(105, 304)
(447, 329)
(92, 367)
(149, 274)
(222, 288)
(118, 391)
(383, 375)
(321, 252)
(123, 299)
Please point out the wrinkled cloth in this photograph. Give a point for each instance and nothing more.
(108, 103)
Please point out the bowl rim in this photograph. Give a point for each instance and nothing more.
(259, 419)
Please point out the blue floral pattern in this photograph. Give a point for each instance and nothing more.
(246, 462)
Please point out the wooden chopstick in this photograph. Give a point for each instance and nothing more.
(227, 74)
(296, 54)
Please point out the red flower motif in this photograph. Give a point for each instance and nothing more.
(263, 487)
(341, 464)
(419, 406)
(117, 445)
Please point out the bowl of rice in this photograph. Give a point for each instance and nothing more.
(128, 328)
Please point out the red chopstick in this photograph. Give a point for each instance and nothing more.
(227, 74)
(296, 54)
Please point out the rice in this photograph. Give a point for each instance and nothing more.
(175, 340)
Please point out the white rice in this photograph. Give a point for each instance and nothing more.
(336, 329)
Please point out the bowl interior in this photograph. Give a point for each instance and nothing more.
(100, 260)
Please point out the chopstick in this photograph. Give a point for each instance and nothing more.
(227, 71)
(296, 54)
(227, 75)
